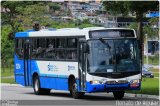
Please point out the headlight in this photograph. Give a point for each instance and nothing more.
(134, 83)
(95, 82)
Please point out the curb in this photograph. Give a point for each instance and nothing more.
(8, 77)
(8, 84)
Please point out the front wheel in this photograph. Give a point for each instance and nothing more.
(74, 91)
(37, 89)
(118, 94)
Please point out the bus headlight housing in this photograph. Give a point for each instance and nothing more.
(134, 83)
(95, 82)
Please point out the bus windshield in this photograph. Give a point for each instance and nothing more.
(112, 55)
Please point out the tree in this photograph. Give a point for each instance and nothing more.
(35, 13)
(18, 16)
(7, 46)
(54, 6)
(135, 7)
(10, 12)
(115, 8)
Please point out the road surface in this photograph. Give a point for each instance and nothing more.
(19, 95)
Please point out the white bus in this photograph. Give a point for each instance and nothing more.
(94, 59)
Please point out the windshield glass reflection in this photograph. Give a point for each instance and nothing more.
(112, 56)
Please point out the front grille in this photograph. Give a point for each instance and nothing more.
(122, 81)
(111, 82)
(119, 82)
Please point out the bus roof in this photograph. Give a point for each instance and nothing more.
(61, 32)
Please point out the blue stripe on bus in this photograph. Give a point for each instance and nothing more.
(22, 34)
(54, 83)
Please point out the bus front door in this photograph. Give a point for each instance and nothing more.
(82, 67)
(27, 64)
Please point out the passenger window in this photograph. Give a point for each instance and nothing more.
(71, 54)
(61, 42)
(71, 43)
(60, 51)
(39, 46)
(51, 43)
(34, 48)
(60, 54)
(19, 47)
(54, 48)
(71, 49)
(50, 52)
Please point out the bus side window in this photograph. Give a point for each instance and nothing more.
(60, 48)
(71, 42)
(50, 52)
(34, 48)
(71, 49)
(60, 43)
(19, 47)
(41, 46)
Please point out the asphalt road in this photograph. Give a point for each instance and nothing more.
(13, 94)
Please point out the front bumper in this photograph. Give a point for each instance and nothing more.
(110, 87)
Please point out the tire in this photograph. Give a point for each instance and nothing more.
(118, 94)
(151, 76)
(37, 89)
(73, 91)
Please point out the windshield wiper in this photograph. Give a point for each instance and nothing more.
(105, 43)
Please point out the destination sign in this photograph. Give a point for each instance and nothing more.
(111, 33)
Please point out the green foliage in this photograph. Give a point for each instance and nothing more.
(115, 7)
(54, 6)
(154, 20)
(135, 7)
(8, 80)
(147, 29)
(34, 13)
(24, 13)
(86, 21)
(71, 24)
(154, 60)
(86, 25)
(141, 7)
(7, 45)
(7, 71)
(133, 26)
(124, 7)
